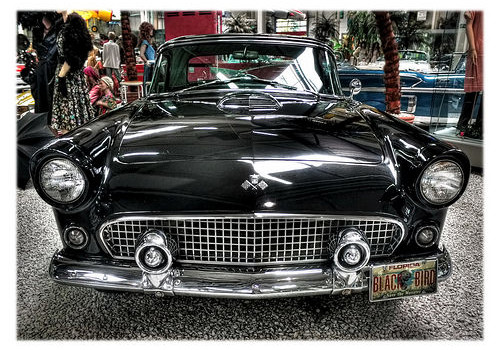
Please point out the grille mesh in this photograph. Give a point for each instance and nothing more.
(250, 240)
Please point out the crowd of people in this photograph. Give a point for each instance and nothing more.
(75, 80)
(103, 76)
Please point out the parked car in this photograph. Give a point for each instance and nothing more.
(435, 97)
(247, 173)
(412, 60)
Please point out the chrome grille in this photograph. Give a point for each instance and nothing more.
(250, 239)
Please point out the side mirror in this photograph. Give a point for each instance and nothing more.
(355, 87)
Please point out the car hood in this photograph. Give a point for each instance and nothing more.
(179, 155)
(198, 129)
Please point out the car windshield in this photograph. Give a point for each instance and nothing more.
(245, 66)
(409, 56)
(412, 55)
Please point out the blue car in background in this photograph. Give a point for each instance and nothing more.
(434, 98)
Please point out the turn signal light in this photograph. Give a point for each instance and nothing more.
(427, 236)
(76, 237)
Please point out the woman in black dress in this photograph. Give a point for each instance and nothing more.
(44, 43)
(71, 105)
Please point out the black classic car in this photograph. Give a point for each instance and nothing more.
(245, 172)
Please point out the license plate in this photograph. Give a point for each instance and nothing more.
(402, 280)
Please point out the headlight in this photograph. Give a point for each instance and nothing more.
(441, 182)
(62, 180)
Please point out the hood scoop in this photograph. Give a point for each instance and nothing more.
(248, 102)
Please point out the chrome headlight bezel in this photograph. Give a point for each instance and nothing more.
(79, 177)
(436, 171)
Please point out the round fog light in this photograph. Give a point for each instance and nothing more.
(351, 255)
(75, 237)
(426, 236)
(351, 251)
(153, 257)
(155, 252)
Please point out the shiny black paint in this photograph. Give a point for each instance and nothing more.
(198, 163)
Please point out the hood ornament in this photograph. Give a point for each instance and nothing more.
(254, 182)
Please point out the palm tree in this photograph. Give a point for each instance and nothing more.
(409, 31)
(325, 28)
(128, 46)
(391, 67)
(239, 24)
(370, 27)
(361, 25)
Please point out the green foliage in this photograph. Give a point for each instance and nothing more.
(325, 29)
(342, 49)
(410, 33)
(361, 26)
(239, 24)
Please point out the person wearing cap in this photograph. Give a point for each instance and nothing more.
(108, 101)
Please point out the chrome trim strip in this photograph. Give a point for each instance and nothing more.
(433, 90)
(300, 280)
(257, 264)
(414, 90)
(450, 120)
(134, 217)
(420, 80)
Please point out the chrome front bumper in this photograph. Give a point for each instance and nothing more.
(244, 283)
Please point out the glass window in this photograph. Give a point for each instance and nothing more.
(291, 26)
(245, 65)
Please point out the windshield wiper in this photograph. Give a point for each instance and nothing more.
(230, 80)
(265, 81)
(256, 68)
(200, 85)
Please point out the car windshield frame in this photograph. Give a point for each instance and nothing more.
(243, 65)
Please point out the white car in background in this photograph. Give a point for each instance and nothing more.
(409, 60)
